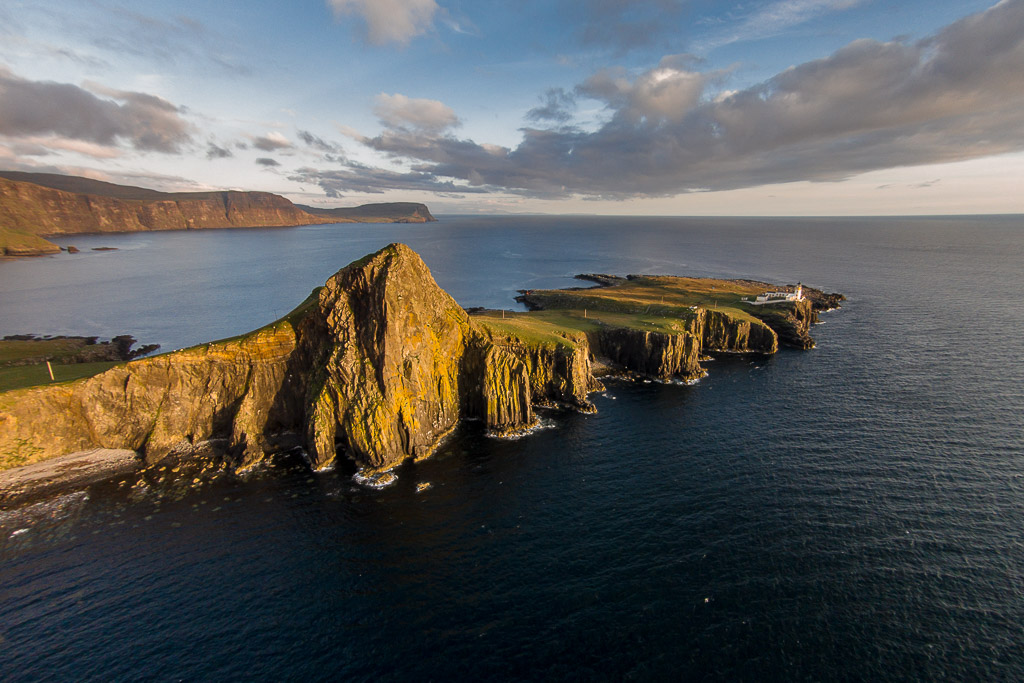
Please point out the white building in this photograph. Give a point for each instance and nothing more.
(776, 297)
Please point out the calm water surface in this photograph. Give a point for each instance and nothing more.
(855, 512)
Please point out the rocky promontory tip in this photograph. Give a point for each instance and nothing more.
(380, 363)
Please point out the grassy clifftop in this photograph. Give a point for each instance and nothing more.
(17, 243)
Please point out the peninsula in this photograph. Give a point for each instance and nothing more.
(35, 205)
(379, 364)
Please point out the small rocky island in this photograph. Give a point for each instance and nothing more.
(380, 363)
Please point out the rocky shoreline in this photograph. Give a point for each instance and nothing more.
(72, 472)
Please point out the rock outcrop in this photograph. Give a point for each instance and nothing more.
(379, 364)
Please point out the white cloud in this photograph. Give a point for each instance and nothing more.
(776, 17)
(399, 111)
(271, 141)
(390, 21)
(664, 93)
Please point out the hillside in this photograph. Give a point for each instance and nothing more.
(50, 204)
(393, 212)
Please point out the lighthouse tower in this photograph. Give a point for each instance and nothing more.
(799, 292)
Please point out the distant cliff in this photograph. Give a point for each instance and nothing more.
(392, 212)
(50, 204)
(378, 365)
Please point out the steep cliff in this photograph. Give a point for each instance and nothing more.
(237, 390)
(720, 331)
(42, 204)
(379, 364)
(44, 211)
(656, 354)
(557, 365)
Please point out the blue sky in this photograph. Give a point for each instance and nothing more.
(802, 107)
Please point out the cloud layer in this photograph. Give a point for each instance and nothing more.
(146, 122)
(956, 95)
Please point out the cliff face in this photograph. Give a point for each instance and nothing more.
(380, 365)
(557, 373)
(656, 354)
(791, 322)
(385, 346)
(234, 390)
(721, 332)
(39, 210)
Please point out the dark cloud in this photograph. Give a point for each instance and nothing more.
(214, 151)
(146, 122)
(557, 107)
(318, 143)
(265, 161)
(871, 105)
(271, 142)
(365, 179)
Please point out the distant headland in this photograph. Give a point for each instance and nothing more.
(379, 364)
(34, 205)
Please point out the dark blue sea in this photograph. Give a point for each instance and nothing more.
(852, 512)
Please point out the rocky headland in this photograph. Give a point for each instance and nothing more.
(379, 364)
(40, 204)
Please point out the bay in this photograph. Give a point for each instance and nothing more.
(851, 512)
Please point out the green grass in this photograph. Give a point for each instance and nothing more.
(21, 376)
(16, 243)
(548, 326)
(38, 350)
(657, 297)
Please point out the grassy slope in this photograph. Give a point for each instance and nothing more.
(653, 304)
(649, 303)
(16, 243)
(22, 376)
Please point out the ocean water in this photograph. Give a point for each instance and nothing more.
(853, 512)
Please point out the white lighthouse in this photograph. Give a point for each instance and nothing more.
(778, 297)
